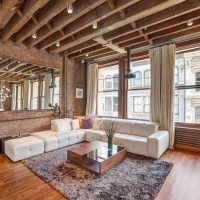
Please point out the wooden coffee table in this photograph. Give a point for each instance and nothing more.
(95, 156)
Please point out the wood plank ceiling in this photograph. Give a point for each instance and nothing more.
(117, 24)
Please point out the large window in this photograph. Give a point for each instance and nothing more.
(138, 102)
(19, 97)
(56, 91)
(34, 95)
(187, 94)
(108, 86)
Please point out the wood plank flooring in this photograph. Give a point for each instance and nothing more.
(18, 183)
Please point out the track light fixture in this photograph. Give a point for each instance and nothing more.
(34, 35)
(70, 9)
(94, 26)
(58, 44)
(190, 23)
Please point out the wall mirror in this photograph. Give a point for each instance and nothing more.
(25, 86)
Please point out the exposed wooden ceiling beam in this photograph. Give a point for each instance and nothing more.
(17, 22)
(10, 79)
(135, 37)
(46, 14)
(111, 4)
(99, 13)
(92, 55)
(7, 64)
(177, 35)
(12, 68)
(114, 47)
(157, 18)
(5, 9)
(134, 12)
(62, 20)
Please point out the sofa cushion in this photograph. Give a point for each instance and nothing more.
(134, 144)
(62, 139)
(81, 136)
(92, 135)
(75, 124)
(124, 127)
(144, 129)
(50, 141)
(61, 125)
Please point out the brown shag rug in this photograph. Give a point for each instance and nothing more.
(136, 177)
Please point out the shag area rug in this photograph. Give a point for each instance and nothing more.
(136, 177)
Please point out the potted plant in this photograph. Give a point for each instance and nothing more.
(109, 126)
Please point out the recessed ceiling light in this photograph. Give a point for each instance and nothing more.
(34, 35)
(6, 67)
(58, 44)
(18, 61)
(94, 26)
(70, 9)
(86, 54)
(190, 23)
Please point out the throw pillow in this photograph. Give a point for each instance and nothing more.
(86, 123)
(75, 124)
(97, 124)
(80, 118)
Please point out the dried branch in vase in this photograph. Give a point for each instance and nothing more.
(110, 127)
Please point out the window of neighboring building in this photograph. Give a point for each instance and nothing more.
(42, 94)
(198, 80)
(176, 105)
(138, 97)
(34, 95)
(19, 97)
(56, 91)
(147, 77)
(137, 104)
(187, 97)
(137, 81)
(197, 115)
(176, 75)
(108, 86)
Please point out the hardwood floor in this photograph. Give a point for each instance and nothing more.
(18, 183)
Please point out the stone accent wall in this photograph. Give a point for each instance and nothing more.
(24, 122)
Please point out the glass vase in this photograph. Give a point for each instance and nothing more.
(110, 143)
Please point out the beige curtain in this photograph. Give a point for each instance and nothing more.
(27, 94)
(92, 79)
(162, 87)
(47, 91)
(14, 100)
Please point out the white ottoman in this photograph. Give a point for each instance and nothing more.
(25, 147)
(50, 140)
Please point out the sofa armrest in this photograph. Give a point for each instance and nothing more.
(158, 143)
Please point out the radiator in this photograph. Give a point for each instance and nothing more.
(187, 138)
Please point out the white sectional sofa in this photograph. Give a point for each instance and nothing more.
(143, 138)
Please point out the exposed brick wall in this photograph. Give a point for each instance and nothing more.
(23, 122)
(75, 79)
(29, 55)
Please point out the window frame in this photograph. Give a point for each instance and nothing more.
(108, 90)
(38, 96)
